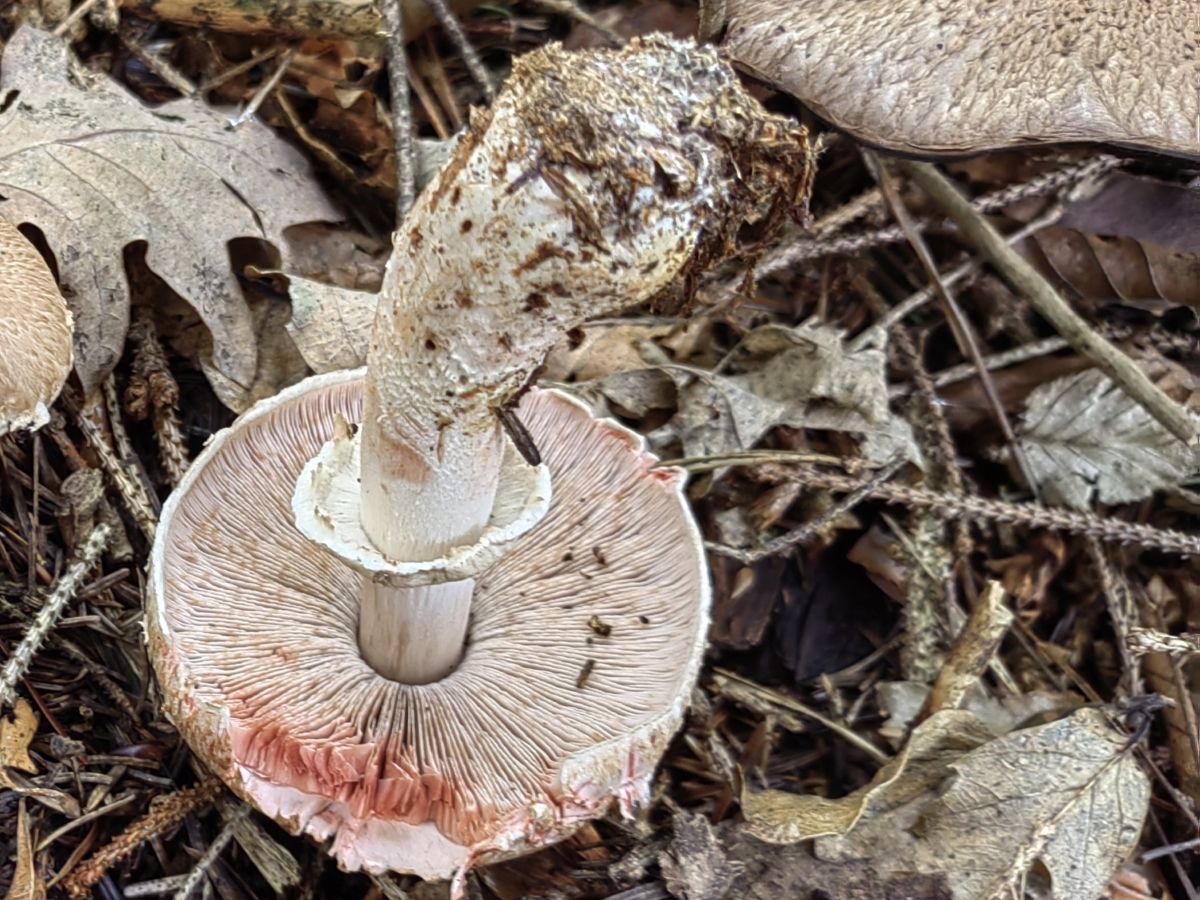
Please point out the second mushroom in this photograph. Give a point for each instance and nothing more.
(412, 637)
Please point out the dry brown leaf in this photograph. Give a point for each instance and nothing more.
(780, 817)
(1069, 794)
(95, 170)
(1111, 268)
(802, 377)
(981, 812)
(961, 75)
(15, 736)
(1085, 439)
(25, 884)
(902, 702)
(330, 325)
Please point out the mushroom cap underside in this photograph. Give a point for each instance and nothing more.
(35, 334)
(957, 76)
(584, 643)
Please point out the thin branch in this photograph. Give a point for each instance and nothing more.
(1026, 280)
(48, 615)
(402, 130)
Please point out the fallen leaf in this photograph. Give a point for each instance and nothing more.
(780, 817)
(95, 169)
(15, 736)
(978, 812)
(330, 325)
(1087, 439)
(802, 377)
(902, 701)
(694, 866)
(1069, 794)
(25, 884)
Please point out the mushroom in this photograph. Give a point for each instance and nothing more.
(35, 334)
(403, 636)
(956, 76)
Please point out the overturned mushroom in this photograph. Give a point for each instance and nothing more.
(385, 635)
(35, 334)
(957, 76)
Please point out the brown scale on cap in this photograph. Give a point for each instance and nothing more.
(35, 334)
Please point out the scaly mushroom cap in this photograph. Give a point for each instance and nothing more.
(954, 76)
(548, 717)
(35, 334)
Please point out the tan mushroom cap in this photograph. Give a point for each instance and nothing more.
(35, 334)
(545, 721)
(955, 76)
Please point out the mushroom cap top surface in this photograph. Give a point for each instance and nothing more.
(957, 76)
(584, 643)
(35, 334)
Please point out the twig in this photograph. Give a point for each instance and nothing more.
(950, 506)
(265, 91)
(963, 273)
(402, 132)
(806, 531)
(76, 14)
(48, 615)
(470, 56)
(234, 71)
(168, 73)
(723, 677)
(960, 327)
(165, 812)
(205, 862)
(750, 458)
(1124, 372)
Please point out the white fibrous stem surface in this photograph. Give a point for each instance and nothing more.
(588, 189)
(595, 182)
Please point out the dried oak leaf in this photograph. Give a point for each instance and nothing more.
(95, 169)
(1134, 240)
(1085, 438)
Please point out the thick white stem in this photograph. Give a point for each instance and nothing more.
(415, 511)
(593, 182)
(414, 635)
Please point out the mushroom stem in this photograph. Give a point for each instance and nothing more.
(593, 184)
(414, 635)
